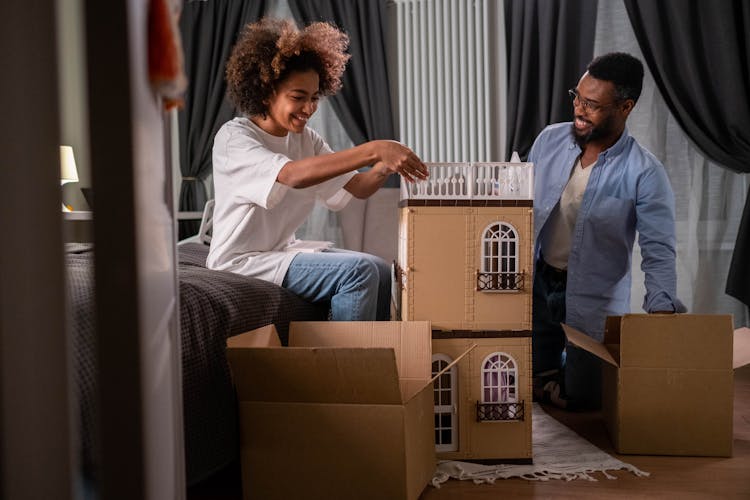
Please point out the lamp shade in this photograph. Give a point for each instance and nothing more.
(68, 171)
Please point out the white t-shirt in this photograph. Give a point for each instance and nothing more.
(255, 216)
(562, 220)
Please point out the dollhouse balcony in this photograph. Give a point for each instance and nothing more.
(500, 281)
(473, 181)
(499, 412)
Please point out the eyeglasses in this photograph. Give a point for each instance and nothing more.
(585, 103)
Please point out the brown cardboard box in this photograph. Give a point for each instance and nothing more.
(667, 382)
(344, 412)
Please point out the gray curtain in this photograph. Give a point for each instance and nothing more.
(209, 29)
(699, 54)
(364, 103)
(549, 44)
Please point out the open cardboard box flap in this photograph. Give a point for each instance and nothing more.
(411, 341)
(316, 375)
(585, 342)
(646, 347)
(333, 362)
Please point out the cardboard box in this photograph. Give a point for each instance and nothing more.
(345, 412)
(667, 382)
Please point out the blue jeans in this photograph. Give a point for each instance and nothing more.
(357, 285)
(580, 371)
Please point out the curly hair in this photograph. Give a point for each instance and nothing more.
(268, 50)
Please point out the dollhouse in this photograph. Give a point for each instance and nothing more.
(465, 264)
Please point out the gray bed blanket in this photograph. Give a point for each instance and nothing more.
(213, 306)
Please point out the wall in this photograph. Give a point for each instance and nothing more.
(36, 448)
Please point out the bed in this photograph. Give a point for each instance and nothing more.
(213, 306)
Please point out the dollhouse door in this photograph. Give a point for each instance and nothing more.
(446, 421)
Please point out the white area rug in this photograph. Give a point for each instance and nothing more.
(559, 453)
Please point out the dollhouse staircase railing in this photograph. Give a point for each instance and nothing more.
(500, 281)
(495, 412)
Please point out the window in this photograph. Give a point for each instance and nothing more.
(499, 389)
(499, 384)
(446, 430)
(499, 267)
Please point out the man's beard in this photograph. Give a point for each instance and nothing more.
(597, 132)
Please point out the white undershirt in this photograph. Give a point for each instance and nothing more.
(562, 221)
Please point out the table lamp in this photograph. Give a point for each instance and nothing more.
(68, 171)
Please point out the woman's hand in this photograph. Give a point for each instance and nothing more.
(394, 157)
(388, 157)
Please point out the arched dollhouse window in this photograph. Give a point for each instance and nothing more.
(499, 379)
(446, 428)
(500, 249)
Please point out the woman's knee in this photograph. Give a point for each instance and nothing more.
(383, 268)
(362, 272)
(374, 259)
(369, 271)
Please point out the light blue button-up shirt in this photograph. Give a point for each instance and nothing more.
(628, 191)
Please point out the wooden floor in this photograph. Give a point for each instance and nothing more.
(671, 477)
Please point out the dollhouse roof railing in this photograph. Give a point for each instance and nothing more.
(473, 181)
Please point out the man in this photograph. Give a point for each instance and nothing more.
(595, 187)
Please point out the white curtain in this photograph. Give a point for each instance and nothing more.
(709, 198)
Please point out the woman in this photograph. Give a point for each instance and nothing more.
(269, 170)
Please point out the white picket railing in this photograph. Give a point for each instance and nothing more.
(473, 181)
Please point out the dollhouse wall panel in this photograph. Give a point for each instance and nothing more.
(509, 310)
(435, 267)
(505, 439)
(488, 440)
(441, 251)
(507, 313)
